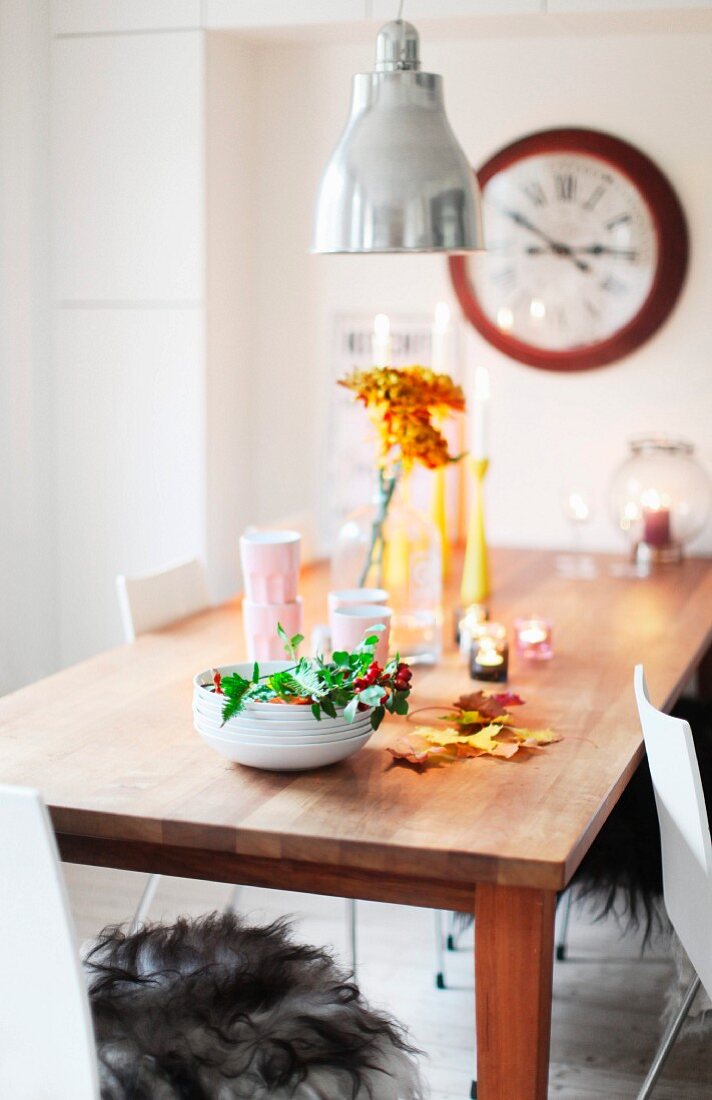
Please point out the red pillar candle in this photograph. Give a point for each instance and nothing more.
(656, 526)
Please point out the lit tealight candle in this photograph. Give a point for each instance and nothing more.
(489, 655)
(534, 639)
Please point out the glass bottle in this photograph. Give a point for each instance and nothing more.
(406, 561)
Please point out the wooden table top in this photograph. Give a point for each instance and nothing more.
(111, 746)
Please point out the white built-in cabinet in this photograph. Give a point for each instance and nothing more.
(107, 16)
(127, 138)
(287, 13)
(71, 17)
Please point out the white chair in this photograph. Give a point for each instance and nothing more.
(153, 600)
(46, 1037)
(148, 602)
(686, 851)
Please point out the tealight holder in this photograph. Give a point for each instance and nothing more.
(534, 639)
(489, 653)
(467, 620)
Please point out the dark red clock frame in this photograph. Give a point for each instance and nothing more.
(671, 232)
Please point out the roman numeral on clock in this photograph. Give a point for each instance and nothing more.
(613, 285)
(595, 196)
(535, 192)
(565, 185)
(505, 277)
(620, 219)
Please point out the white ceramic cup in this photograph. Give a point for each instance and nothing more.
(260, 621)
(353, 622)
(270, 565)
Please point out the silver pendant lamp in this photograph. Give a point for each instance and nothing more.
(398, 181)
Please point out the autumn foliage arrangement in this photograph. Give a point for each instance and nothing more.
(407, 406)
(480, 724)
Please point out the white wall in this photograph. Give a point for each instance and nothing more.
(652, 89)
(28, 611)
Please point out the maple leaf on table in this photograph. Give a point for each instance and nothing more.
(405, 752)
(487, 706)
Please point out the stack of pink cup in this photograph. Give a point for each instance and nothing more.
(270, 568)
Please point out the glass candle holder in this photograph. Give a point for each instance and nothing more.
(534, 638)
(467, 621)
(489, 653)
(660, 498)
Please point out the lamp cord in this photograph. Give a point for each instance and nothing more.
(400, 9)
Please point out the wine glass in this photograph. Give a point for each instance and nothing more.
(577, 504)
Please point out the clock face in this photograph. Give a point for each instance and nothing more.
(584, 256)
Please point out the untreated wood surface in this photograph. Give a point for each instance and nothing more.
(110, 744)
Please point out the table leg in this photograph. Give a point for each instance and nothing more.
(514, 947)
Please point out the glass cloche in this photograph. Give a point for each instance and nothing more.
(660, 498)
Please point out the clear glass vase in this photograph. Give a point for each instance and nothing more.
(392, 545)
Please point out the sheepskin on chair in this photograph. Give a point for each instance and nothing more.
(213, 1009)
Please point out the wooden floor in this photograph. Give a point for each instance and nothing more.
(607, 1001)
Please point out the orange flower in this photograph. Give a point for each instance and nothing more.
(407, 405)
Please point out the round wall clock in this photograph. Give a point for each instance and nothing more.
(586, 250)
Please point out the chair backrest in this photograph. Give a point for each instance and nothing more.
(46, 1037)
(684, 828)
(157, 599)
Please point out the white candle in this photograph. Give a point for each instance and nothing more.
(479, 415)
(381, 343)
(440, 337)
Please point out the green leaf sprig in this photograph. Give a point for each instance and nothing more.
(349, 681)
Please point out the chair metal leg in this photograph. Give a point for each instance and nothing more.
(563, 925)
(149, 892)
(231, 905)
(351, 932)
(439, 953)
(668, 1040)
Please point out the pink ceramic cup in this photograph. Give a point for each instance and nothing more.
(260, 622)
(270, 565)
(352, 623)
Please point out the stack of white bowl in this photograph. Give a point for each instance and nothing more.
(275, 736)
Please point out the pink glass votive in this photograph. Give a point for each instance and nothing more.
(534, 638)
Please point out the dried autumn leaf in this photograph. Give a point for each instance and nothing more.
(508, 699)
(469, 721)
(405, 752)
(481, 703)
(539, 737)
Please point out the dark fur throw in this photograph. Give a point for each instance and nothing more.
(622, 870)
(213, 1009)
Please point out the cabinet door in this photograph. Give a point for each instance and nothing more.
(98, 16)
(130, 459)
(443, 9)
(625, 5)
(286, 13)
(127, 167)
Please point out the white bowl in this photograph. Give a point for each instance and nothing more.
(286, 742)
(284, 758)
(234, 728)
(257, 722)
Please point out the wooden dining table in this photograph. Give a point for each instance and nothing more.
(129, 784)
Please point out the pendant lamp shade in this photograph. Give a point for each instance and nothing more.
(398, 181)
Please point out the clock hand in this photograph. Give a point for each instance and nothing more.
(554, 246)
(590, 250)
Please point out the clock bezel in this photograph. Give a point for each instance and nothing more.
(670, 227)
